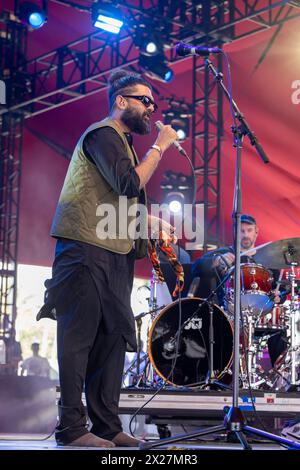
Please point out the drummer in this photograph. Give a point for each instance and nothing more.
(213, 266)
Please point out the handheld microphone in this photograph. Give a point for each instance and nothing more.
(184, 49)
(159, 125)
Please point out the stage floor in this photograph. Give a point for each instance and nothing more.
(33, 442)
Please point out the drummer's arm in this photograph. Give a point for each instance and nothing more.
(220, 259)
(204, 265)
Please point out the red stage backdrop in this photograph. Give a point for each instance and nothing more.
(271, 193)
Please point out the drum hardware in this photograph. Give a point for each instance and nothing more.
(211, 380)
(153, 292)
(135, 367)
(251, 373)
(294, 308)
(288, 364)
(138, 375)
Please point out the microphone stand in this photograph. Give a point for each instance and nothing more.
(234, 421)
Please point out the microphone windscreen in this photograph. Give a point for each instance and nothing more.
(182, 49)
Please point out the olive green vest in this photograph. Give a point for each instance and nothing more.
(84, 190)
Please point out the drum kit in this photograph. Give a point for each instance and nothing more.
(190, 342)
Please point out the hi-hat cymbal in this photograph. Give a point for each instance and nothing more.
(280, 254)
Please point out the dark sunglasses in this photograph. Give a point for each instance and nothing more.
(144, 99)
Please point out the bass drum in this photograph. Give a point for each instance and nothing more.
(191, 365)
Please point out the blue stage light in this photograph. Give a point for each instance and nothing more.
(156, 67)
(32, 14)
(107, 18)
(36, 19)
(169, 75)
(107, 27)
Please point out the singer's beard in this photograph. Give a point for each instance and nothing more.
(137, 122)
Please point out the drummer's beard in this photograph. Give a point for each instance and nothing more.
(247, 243)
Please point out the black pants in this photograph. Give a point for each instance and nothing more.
(87, 355)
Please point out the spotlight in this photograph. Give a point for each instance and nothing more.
(151, 48)
(181, 134)
(149, 44)
(178, 117)
(155, 67)
(181, 126)
(32, 14)
(175, 202)
(107, 18)
(176, 190)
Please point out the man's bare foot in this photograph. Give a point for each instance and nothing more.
(125, 440)
(90, 440)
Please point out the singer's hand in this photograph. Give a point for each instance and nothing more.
(166, 137)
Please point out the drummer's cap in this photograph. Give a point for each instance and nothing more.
(248, 219)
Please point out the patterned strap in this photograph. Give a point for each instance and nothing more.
(164, 244)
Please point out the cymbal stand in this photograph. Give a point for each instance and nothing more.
(290, 362)
(250, 371)
(134, 367)
(154, 308)
(153, 293)
(250, 352)
(294, 309)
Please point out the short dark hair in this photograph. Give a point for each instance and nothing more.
(121, 82)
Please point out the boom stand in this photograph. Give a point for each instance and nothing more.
(234, 421)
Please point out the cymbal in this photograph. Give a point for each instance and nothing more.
(279, 254)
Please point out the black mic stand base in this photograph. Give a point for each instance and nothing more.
(234, 425)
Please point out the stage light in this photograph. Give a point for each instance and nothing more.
(180, 125)
(177, 115)
(149, 44)
(151, 48)
(107, 18)
(32, 14)
(181, 134)
(156, 67)
(175, 202)
(176, 191)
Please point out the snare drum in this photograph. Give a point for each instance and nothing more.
(256, 286)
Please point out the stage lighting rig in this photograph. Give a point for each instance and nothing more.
(107, 17)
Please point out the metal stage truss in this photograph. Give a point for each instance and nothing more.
(81, 68)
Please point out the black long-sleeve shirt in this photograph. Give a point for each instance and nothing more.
(105, 148)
